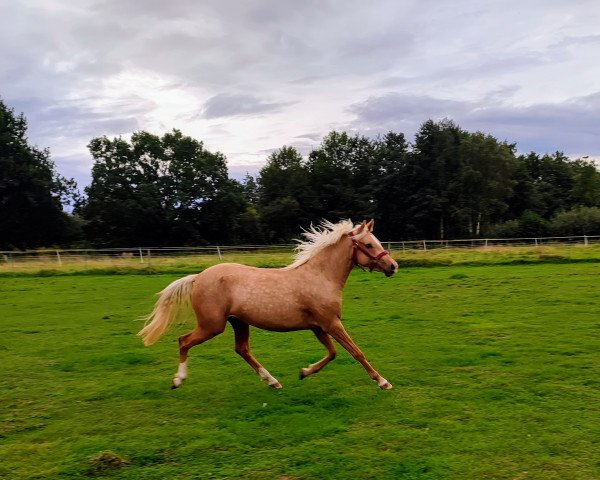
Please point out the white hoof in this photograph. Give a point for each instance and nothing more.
(177, 382)
(384, 384)
(267, 377)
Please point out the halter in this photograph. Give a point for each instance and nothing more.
(358, 246)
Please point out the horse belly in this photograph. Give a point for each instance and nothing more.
(271, 310)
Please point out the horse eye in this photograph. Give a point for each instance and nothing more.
(369, 245)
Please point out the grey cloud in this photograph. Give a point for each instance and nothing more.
(240, 170)
(311, 79)
(315, 137)
(394, 81)
(281, 50)
(48, 119)
(394, 107)
(228, 105)
(303, 147)
(377, 51)
(265, 42)
(577, 40)
(569, 126)
(66, 127)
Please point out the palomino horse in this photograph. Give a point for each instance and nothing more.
(306, 295)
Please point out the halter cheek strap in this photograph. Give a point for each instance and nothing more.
(358, 246)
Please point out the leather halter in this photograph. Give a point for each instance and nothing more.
(359, 246)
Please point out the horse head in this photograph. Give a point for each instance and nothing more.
(368, 251)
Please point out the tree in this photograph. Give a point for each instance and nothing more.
(432, 177)
(32, 193)
(484, 182)
(549, 180)
(284, 195)
(165, 190)
(124, 204)
(586, 183)
(340, 173)
(388, 183)
(250, 221)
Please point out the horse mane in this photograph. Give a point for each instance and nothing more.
(318, 238)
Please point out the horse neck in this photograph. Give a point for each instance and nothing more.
(334, 262)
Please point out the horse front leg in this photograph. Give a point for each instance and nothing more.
(315, 367)
(337, 331)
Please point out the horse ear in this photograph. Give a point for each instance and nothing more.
(362, 226)
(370, 225)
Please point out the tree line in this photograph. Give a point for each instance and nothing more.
(170, 190)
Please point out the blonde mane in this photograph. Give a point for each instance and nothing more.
(318, 238)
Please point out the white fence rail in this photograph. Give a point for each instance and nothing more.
(143, 254)
(146, 254)
(493, 242)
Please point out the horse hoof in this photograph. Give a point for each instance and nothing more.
(276, 385)
(303, 373)
(386, 386)
(177, 382)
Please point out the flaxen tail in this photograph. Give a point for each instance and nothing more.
(173, 301)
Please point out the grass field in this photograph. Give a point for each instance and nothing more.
(496, 373)
(48, 265)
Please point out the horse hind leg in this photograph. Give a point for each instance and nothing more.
(196, 337)
(242, 348)
(315, 367)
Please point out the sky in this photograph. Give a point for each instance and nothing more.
(247, 77)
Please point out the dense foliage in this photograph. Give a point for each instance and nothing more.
(31, 191)
(449, 183)
(170, 190)
(159, 191)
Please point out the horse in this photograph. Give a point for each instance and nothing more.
(306, 295)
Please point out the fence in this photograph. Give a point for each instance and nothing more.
(494, 242)
(140, 254)
(145, 254)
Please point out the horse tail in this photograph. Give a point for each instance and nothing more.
(173, 300)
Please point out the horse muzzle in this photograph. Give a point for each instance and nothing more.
(390, 270)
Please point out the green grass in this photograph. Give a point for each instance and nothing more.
(48, 266)
(496, 373)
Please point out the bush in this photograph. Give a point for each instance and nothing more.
(578, 221)
(529, 225)
(533, 225)
(509, 229)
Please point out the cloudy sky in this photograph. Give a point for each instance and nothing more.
(250, 76)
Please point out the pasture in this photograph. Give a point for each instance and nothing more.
(496, 374)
